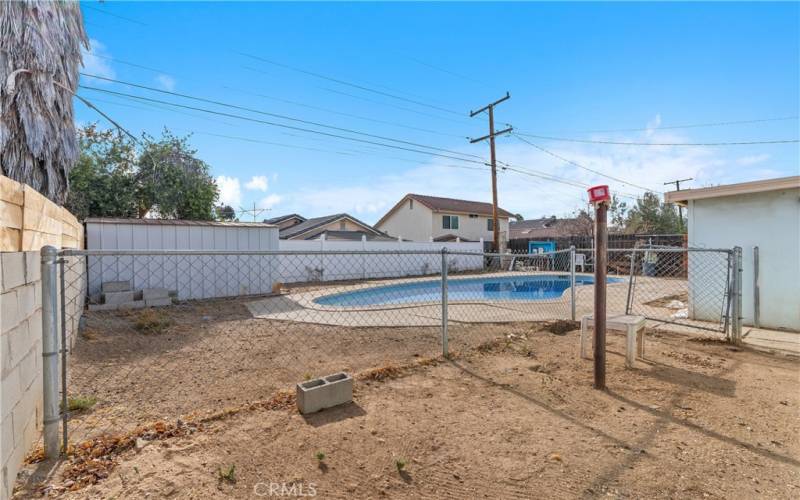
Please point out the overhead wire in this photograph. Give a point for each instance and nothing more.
(673, 127)
(632, 143)
(252, 110)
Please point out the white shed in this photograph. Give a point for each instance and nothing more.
(192, 276)
(763, 214)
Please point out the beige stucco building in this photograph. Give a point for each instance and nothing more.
(423, 218)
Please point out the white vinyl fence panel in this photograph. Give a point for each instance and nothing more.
(308, 267)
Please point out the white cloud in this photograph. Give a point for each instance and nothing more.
(96, 62)
(270, 201)
(230, 192)
(166, 82)
(753, 159)
(257, 183)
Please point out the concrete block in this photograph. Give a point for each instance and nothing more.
(116, 286)
(27, 370)
(155, 293)
(33, 267)
(117, 297)
(26, 295)
(164, 301)
(134, 304)
(103, 307)
(10, 394)
(9, 311)
(16, 343)
(325, 392)
(13, 269)
(7, 443)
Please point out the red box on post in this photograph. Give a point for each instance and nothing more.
(598, 194)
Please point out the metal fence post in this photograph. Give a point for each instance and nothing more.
(50, 350)
(628, 301)
(737, 316)
(572, 280)
(444, 302)
(756, 290)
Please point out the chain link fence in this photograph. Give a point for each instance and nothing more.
(166, 334)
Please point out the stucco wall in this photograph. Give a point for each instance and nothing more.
(769, 220)
(409, 223)
(422, 224)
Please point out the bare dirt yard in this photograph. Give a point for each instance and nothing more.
(511, 415)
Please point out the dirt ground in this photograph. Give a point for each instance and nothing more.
(513, 415)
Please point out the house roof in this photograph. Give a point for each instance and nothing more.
(547, 227)
(353, 235)
(683, 196)
(175, 222)
(440, 204)
(281, 218)
(316, 222)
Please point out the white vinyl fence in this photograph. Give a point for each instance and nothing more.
(325, 267)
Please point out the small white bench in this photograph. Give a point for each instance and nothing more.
(633, 326)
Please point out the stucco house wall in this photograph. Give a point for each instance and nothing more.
(420, 223)
(409, 223)
(769, 220)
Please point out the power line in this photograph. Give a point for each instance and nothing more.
(673, 127)
(351, 84)
(341, 113)
(619, 143)
(251, 110)
(135, 21)
(292, 127)
(576, 164)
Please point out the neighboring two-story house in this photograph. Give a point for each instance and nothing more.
(424, 218)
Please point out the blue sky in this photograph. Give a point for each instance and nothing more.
(573, 69)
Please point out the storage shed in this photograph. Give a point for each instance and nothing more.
(191, 276)
(760, 214)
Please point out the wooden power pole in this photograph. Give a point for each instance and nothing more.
(492, 134)
(677, 183)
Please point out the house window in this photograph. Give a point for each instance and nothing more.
(490, 224)
(342, 225)
(450, 222)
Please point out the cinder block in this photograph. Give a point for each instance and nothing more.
(164, 301)
(117, 297)
(13, 269)
(325, 392)
(103, 307)
(11, 392)
(26, 295)
(7, 443)
(155, 293)
(9, 311)
(33, 267)
(116, 286)
(134, 304)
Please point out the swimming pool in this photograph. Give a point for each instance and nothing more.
(495, 288)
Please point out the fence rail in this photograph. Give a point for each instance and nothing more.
(291, 315)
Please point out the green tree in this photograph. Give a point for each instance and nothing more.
(224, 212)
(172, 183)
(652, 216)
(617, 211)
(102, 182)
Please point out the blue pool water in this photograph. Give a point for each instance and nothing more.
(525, 287)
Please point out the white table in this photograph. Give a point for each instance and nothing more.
(632, 326)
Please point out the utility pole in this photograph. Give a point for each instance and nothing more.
(677, 183)
(601, 248)
(255, 211)
(492, 134)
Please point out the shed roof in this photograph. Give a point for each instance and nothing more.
(175, 222)
(683, 196)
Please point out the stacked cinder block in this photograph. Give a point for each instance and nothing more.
(119, 295)
(20, 366)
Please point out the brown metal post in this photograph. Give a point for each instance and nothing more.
(601, 251)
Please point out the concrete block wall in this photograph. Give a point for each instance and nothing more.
(21, 360)
(21, 353)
